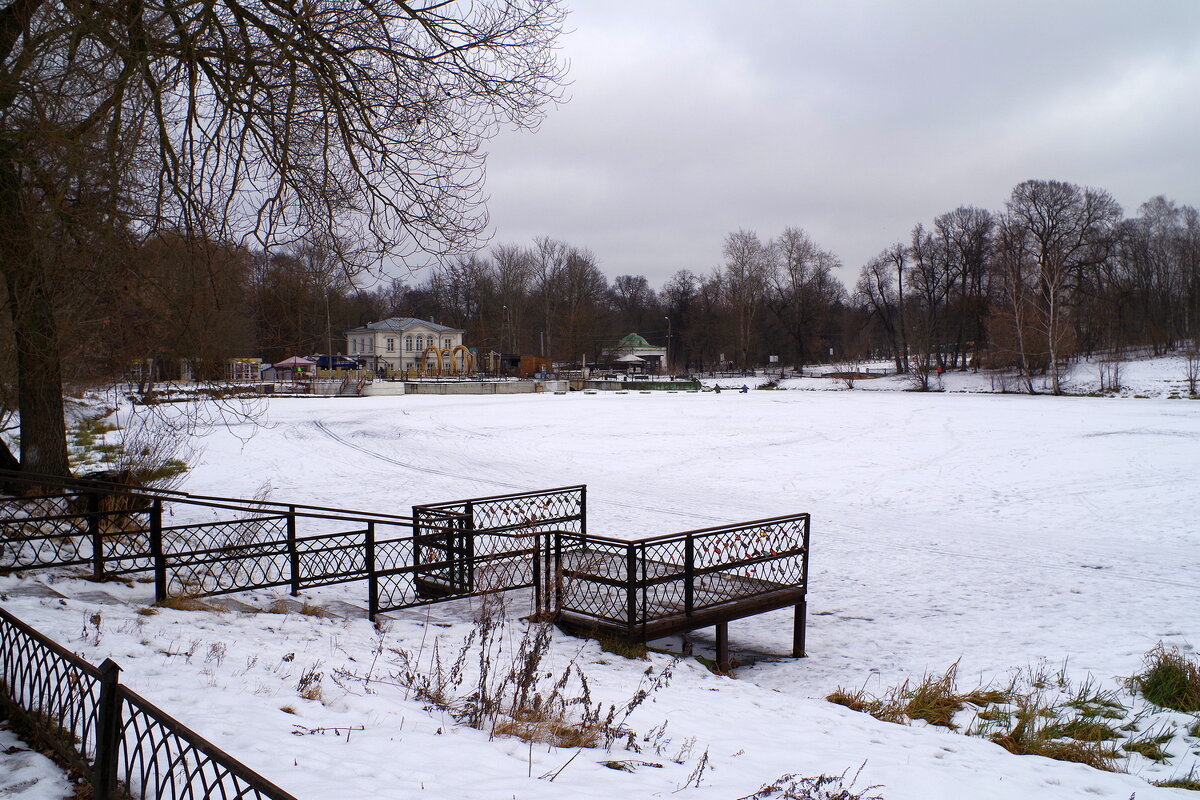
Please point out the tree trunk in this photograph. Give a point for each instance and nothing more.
(39, 376)
(35, 338)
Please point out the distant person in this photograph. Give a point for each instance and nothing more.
(745, 389)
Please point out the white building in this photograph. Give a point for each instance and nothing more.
(405, 344)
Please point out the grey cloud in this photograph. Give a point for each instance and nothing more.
(852, 120)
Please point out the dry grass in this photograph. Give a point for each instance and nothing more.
(879, 708)
(1190, 782)
(500, 683)
(556, 733)
(1038, 732)
(185, 602)
(307, 609)
(1151, 745)
(1169, 679)
(1018, 717)
(935, 699)
(625, 648)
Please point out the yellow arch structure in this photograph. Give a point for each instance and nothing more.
(465, 364)
(459, 361)
(424, 363)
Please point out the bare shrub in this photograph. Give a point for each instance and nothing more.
(1191, 368)
(1110, 369)
(920, 373)
(816, 787)
(309, 685)
(509, 691)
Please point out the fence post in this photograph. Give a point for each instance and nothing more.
(156, 551)
(557, 571)
(689, 573)
(468, 554)
(583, 509)
(108, 732)
(537, 576)
(631, 585)
(416, 542)
(93, 526)
(293, 554)
(372, 577)
(467, 549)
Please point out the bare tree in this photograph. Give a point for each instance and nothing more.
(965, 235)
(1061, 230)
(747, 262)
(549, 259)
(801, 288)
(880, 288)
(245, 120)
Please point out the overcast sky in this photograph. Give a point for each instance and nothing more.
(852, 119)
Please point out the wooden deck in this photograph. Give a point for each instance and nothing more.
(595, 595)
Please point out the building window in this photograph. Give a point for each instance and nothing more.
(420, 342)
(446, 345)
(391, 345)
(408, 343)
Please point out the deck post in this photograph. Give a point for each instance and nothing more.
(538, 598)
(723, 646)
(689, 574)
(630, 588)
(467, 548)
(798, 629)
(372, 574)
(555, 573)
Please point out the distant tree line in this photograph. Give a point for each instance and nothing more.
(1058, 272)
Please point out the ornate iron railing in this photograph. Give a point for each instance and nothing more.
(444, 551)
(53, 693)
(106, 734)
(666, 582)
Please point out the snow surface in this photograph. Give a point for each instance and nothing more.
(28, 774)
(999, 530)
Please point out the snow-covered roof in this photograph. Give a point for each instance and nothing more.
(401, 324)
(635, 341)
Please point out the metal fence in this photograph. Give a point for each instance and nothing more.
(639, 589)
(108, 735)
(651, 587)
(224, 545)
(486, 544)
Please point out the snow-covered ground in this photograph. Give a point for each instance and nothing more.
(28, 774)
(1000, 530)
(1162, 377)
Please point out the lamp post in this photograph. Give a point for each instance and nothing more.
(668, 319)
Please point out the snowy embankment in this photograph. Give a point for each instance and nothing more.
(1001, 531)
(1162, 377)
